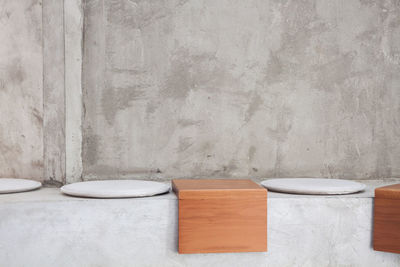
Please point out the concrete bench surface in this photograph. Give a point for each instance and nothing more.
(46, 228)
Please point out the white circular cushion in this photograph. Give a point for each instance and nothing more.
(12, 185)
(115, 189)
(313, 186)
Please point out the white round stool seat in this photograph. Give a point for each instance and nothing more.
(12, 185)
(115, 189)
(313, 186)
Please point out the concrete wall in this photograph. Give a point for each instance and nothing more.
(256, 88)
(53, 91)
(32, 137)
(21, 89)
(199, 89)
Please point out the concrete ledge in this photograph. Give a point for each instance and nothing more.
(45, 228)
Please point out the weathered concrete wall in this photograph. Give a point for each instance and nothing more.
(53, 91)
(241, 88)
(200, 89)
(32, 121)
(21, 89)
(73, 33)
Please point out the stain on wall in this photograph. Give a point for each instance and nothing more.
(241, 89)
(21, 89)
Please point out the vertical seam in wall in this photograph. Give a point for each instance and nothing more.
(43, 100)
(73, 90)
(82, 98)
(64, 179)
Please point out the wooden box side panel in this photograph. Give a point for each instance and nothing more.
(390, 191)
(222, 225)
(387, 225)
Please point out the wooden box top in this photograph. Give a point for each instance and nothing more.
(216, 188)
(390, 191)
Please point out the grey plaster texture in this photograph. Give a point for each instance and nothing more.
(32, 104)
(53, 91)
(73, 32)
(198, 88)
(21, 89)
(56, 230)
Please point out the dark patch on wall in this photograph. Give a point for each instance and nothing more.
(185, 143)
(38, 116)
(193, 72)
(115, 99)
(15, 72)
(187, 123)
(252, 152)
(274, 69)
(283, 124)
(37, 164)
(255, 103)
(225, 171)
(140, 14)
(90, 147)
(52, 183)
(179, 82)
(151, 107)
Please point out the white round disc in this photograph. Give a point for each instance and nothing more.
(313, 186)
(115, 189)
(12, 185)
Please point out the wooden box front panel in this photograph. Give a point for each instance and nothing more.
(387, 224)
(237, 224)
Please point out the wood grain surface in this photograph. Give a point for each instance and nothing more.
(387, 219)
(216, 188)
(221, 216)
(390, 191)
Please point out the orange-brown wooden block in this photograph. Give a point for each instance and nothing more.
(221, 216)
(387, 219)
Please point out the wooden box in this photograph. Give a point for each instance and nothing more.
(387, 219)
(221, 216)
